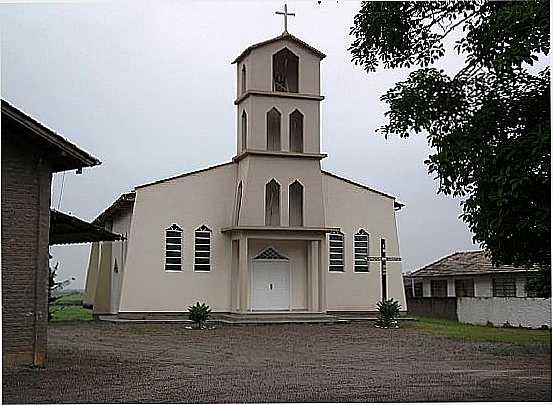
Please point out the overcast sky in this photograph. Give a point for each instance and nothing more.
(127, 82)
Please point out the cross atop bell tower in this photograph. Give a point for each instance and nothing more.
(285, 14)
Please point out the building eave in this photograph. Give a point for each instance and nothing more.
(70, 155)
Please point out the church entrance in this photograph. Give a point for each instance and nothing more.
(270, 282)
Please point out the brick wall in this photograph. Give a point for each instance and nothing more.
(26, 181)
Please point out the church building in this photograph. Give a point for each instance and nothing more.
(269, 231)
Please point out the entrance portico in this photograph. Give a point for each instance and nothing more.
(278, 269)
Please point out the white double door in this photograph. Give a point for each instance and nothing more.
(271, 285)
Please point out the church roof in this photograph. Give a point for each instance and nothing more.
(284, 35)
(397, 204)
(465, 263)
(184, 175)
(124, 201)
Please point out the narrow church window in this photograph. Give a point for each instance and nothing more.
(296, 131)
(272, 203)
(336, 251)
(295, 194)
(244, 130)
(383, 269)
(202, 249)
(361, 251)
(285, 71)
(243, 79)
(173, 248)
(273, 129)
(238, 204)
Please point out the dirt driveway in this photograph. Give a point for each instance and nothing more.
(100, 362)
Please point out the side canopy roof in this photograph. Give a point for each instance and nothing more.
(284, 35)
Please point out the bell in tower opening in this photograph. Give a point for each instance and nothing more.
(285, 71)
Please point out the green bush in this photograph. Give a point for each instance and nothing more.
(388, 312)
(199, 313)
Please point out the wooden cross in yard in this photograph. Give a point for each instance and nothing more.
(285, 14)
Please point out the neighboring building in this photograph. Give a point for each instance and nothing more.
(267, 231)
(467, 274)
(30, 154)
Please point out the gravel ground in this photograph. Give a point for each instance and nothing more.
(100, 362)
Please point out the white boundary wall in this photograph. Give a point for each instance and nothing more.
(528, 312)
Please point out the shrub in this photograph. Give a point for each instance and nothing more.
(199, 313)
(388, 312)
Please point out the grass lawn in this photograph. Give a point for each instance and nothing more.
(527, 338)
(69, 307)
(64, 313)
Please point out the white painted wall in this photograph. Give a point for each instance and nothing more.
(350, 208)
(528, 312)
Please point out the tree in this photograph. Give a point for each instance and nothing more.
(53, 287)
(488, 124)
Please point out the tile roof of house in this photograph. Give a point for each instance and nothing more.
(463, 263)
(284, 35)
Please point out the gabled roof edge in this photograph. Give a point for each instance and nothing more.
(183, 175)
(49, 135)
(284, 35)
(396, 203)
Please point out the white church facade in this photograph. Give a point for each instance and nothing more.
(269, 231)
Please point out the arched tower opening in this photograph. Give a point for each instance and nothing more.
(296, 131)
(295, 194)
(285, 71)
(273, 129)
(272, 203)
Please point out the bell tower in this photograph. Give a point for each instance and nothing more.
(279, 184)
(278, 134)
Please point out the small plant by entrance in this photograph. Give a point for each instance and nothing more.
(388, 312)
(199, 313)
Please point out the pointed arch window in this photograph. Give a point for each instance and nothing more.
(272, 203)
(361, 251)
(244, 130)
(273, 129)
(296, 132)
(285, 71)
(295, 194)
(173, 248)
(202, 249)
(336, 251)
(243, 79)
(238, 204)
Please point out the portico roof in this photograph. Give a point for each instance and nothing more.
(288, 229)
